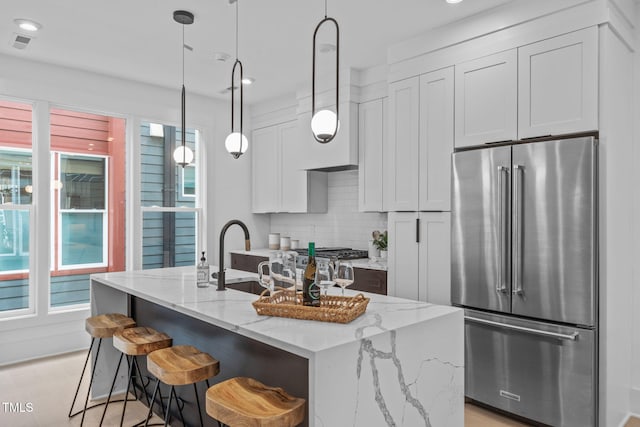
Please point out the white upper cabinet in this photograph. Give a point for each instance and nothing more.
(402, 149)
(436, 140)
(418, 161)
(371, 136)
(266, 167)
(279, 185)
(558, 86)
(486, 99)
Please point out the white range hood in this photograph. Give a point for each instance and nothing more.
(342, 152)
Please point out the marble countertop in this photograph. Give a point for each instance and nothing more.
(372, 264)
(175, 288)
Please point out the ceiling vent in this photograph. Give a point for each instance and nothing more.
(20, 41)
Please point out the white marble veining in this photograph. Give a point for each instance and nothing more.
(399, 364)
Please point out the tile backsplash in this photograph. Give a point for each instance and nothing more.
(342, 225)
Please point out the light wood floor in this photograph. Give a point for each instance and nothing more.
(49, 384)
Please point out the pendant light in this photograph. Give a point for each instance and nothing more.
(325, 123)
(236, 143)
(183, 154)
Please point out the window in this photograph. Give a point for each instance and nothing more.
(87, 212)
(16, 188)
(170, 207)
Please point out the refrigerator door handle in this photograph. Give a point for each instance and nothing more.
(570, 337)
(501, 286)
(516, 267)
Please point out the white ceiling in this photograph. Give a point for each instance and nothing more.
(139, 40)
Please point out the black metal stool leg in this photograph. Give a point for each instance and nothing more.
(113, 383)
(168, 413)
(153, 398)
(126, 394)
(84, 368)
(195, 389)
(139, 377)
(93, 371)
(173, 390)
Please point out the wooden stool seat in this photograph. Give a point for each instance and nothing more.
(140, 340)
(246, 402)
(182, 364)
(105, 325)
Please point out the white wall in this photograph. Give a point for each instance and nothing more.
(227, 181)
(635, 382)
(342, 225)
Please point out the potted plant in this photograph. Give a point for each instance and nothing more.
(380, 241)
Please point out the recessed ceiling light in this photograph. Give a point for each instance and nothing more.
(221, 56)
(248, 80)
(326, 47)
(453, 1)
(27, 24)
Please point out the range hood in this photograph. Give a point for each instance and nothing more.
(342, 152)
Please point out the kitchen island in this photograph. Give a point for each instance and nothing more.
(399, 364)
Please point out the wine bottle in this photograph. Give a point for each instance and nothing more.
(202, 273)
(310, 290)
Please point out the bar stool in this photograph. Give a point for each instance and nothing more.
(100, 326)
(247, 402)
(180, 365)
(132, 342)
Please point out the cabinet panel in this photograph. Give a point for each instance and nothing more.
(294, 180)
(368, 280)
(402, 150)
(435, 257)
(371, 164)
(402, 275)
(486, 99)
(265, 159)
(558, 85)
(436, 140)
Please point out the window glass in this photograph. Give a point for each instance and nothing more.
(170, 206)
(16, 189)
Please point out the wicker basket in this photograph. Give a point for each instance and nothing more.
(286, 303)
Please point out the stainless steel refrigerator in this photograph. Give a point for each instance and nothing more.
(524, 267)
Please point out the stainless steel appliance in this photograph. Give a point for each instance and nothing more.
(524, 267)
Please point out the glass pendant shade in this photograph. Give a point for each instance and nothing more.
(236, 144)
(323, 124)
(183, 155)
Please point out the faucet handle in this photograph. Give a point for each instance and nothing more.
(214, 275)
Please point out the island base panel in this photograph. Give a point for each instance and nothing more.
(238, 356)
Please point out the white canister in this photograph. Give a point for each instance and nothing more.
(295, 244)
(285, 243)
(274, 240)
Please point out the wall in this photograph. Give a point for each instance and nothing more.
(635, 380)
(342, 225)
(226, 181)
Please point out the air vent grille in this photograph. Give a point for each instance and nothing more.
(20, 41)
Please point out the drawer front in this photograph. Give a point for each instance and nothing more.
(536, 370)
(367, 280)
(246, 262)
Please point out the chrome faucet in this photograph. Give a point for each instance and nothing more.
(247, 247)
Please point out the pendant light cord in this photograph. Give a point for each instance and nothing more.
(237, 1)
(182, 54)
(325, 8)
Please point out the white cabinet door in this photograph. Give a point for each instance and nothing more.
(486, 99)
(371, 155)
(558, 85)
(436, 140)
(294, 180)
(402, 274)
(266, 167)
(435, 257)
(401, 175)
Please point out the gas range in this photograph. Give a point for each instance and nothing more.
(330, 253)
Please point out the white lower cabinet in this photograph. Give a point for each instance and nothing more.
(279, 185)
(419, 264)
